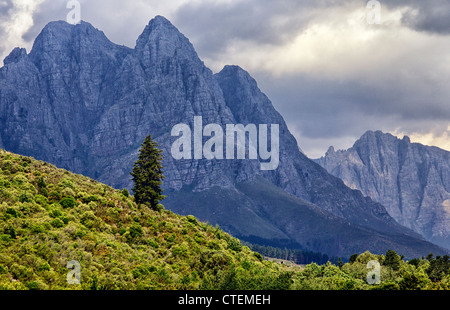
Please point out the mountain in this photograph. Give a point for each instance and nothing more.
(85, 104)
(410, 179)
(49, 217)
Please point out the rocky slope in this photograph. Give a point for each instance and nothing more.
(85, 104)
(411, 180)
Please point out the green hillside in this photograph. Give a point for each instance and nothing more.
(49, 217)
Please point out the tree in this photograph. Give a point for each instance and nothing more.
(148, 175)
(392, 260)
(340, 263)
(439, 268)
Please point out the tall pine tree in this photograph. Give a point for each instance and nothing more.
(148, 175)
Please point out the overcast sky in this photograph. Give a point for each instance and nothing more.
(329, 72)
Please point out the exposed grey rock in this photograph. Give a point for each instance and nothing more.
(83, 103)
(411, 180)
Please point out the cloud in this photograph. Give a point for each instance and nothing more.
(331, 74)
(16, 20)
(431, 16)
(214, 25)
(438, 136)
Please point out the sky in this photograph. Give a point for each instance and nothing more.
(331, 69)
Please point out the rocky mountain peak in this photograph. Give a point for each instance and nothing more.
(15, 56)
(407, 139)
(330, 151)
(161, 40)
(60, 43)
(410, 179)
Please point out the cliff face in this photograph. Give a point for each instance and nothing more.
(411, 180)
(83, 103)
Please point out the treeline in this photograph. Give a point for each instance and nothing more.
(298, 256)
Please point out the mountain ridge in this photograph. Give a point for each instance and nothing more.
(88, 104)
(412, 180)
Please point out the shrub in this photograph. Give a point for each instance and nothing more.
(37, 228)
(68, 192)
(258, 256)
(20, 179)
(90, 198)
(55, 213)
(43, 267)
(54, 195)
(26, 197)
(41, 200)
(12, 212)
(89, 219)
(235, 245)
(41, 183)
(4, 183)
(11, 231)
(136, 230)
(57, 223)
(92, 205)
(32, 285)
(67, 183)
(68, 202)
(170, 238)
(191, 219)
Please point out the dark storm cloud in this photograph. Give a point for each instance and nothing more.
(48, 11)
(320, 109)
(316, 107)
(214, 25)
(432, 16)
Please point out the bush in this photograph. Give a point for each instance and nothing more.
(11, 231)
(191, 219)
(90, 198)
(37, 228)
(68, 202)
(136, 230)
(89, 219)
(68, 192)
(41, 200)
(235, 245)
(12, 212)
(57, 223)
(26, 197)
(258, 256)
(54, 195)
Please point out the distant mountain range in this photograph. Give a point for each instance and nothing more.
(410, 179)
(83, 103)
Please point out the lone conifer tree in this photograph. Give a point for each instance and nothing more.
(148, 175)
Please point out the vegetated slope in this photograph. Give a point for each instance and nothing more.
(49, 217)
